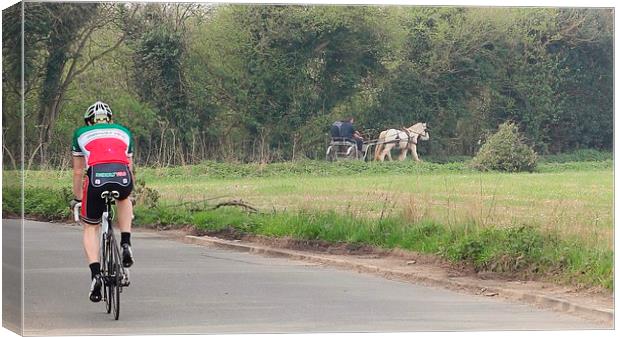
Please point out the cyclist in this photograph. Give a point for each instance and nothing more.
(104, 149)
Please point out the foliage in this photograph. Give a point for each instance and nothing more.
(243, 83)
(56, 38)
(505, 151)
(49, 204)
(159, 47)
(273, 69)
(145, 195)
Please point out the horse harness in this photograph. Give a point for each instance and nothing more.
(411, 139)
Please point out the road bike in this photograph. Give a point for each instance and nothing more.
(115, 277)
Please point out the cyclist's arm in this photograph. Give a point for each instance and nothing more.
(78, 173)
(130, 156)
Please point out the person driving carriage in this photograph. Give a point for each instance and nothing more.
(345, 129)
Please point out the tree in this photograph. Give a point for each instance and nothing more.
(275, 68)
(60, 34)
(263, 83)
(158, 38)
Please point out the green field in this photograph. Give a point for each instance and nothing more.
(575, 202)
(556, 222)
(575, 199)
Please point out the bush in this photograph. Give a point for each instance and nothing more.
(145, 195)
(505, 151)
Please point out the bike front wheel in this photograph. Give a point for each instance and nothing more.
(109, 270)
(116, 293)
(115, 290)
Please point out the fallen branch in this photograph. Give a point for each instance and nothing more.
(193, 205)
(238, 203)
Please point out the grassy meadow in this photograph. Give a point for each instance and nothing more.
(556, 221)
(576, 200)
(576, 203)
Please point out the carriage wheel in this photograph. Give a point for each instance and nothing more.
(352, 152)
(329, 155)
(365, 153)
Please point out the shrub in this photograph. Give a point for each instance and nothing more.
(145, 195)
(505, 151)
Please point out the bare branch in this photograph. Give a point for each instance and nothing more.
(74, 58)
(102, 54)
(8, 152)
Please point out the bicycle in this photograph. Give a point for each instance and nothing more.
(115, 277)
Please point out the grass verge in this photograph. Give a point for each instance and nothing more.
(520, 251)
(45, 203)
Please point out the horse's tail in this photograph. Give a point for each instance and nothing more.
(380, 146)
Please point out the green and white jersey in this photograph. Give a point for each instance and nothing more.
(103, 143)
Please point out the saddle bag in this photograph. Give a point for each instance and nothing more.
(112, 173)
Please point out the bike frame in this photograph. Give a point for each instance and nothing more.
(116, 276)
(106, 222)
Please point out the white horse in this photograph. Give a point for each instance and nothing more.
(405, 139)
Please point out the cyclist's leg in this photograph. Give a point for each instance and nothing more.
(90, 216)
(91, 242)
(92, 210)
(125, 215)
(91, 247)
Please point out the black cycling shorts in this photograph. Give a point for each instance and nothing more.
(100, 178)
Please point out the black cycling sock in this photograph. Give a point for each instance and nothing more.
(95, 268)
(125, 236)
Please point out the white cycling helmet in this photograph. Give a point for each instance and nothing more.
(98, 112)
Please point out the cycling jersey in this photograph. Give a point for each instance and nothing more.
(107, 149)
(103, 143)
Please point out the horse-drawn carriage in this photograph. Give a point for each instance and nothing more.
(404, 140)
(344, 148)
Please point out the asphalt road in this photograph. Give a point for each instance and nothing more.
(11, 274)
(184, 288)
